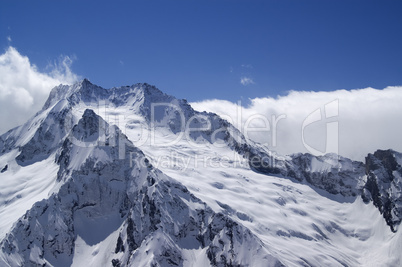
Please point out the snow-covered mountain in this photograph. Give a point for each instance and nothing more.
(130, 176)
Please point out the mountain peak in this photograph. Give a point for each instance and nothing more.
(88, 92)
(86, 82)
(89, 113)
(88, 125)
(83, 90)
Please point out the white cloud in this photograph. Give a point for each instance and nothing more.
(367, 119)
(24, 89)
(9, 38)
(246, 81)
(247, 66)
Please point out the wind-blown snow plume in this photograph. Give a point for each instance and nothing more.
(24, 89)
(367, 119)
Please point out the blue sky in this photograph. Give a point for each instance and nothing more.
(202, 49)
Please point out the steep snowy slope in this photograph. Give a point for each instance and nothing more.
(204, 195)
(27, 161)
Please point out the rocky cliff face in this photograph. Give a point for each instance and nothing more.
(384, 184)
(332, 173)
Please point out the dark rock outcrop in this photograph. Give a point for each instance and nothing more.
(384, 184)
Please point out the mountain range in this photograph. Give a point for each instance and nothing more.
(130, 176)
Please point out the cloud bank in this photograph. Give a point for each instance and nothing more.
(358, 121)
(24, 89)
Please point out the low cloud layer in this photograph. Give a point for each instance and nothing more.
(352, 123)
(24, 89)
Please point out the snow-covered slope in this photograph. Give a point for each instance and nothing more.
(131, 215)
(132, 176)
